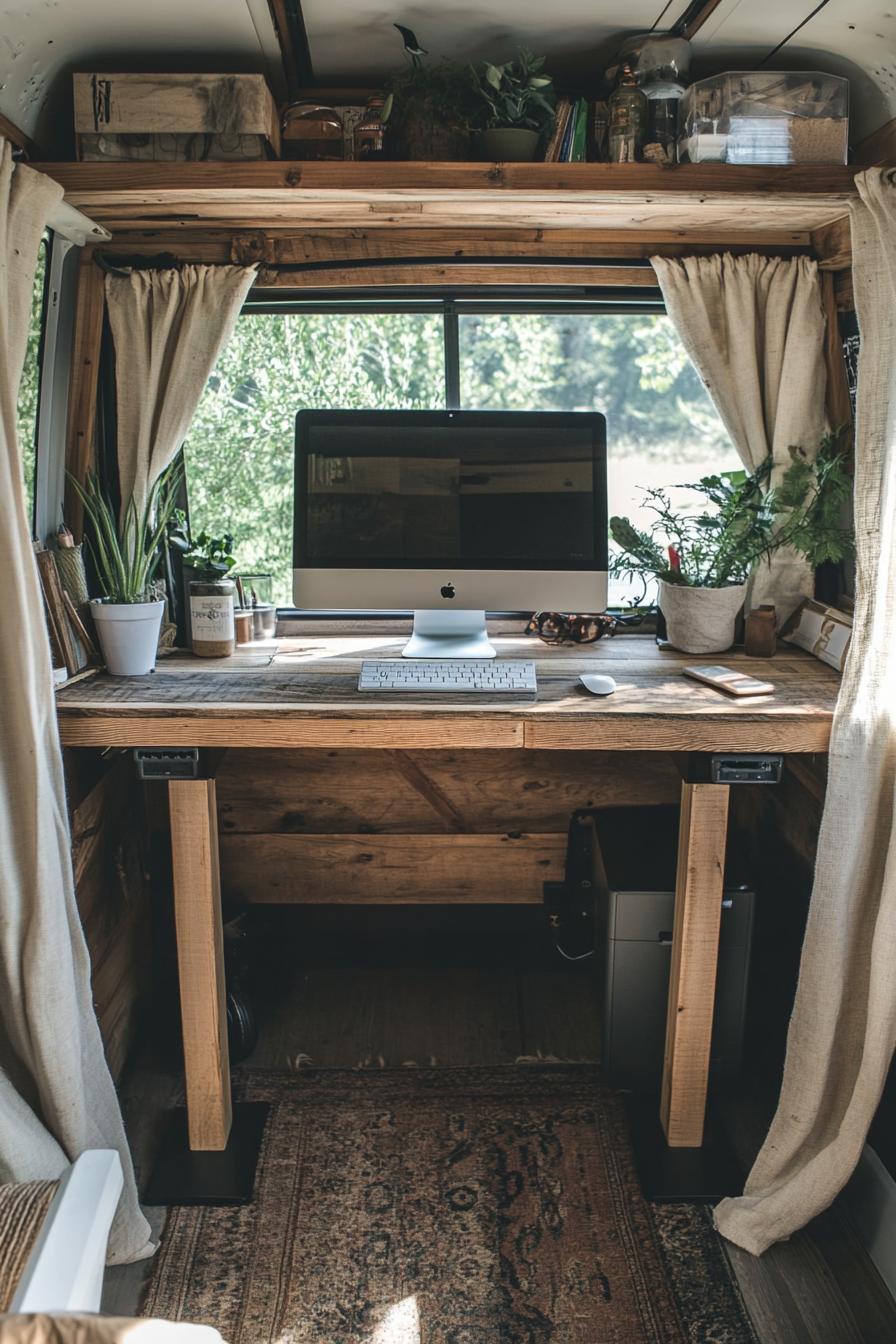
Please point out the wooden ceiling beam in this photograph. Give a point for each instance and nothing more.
(459, 276)
(222, 246)
(18, 138)
(832, 244)
(696, 202)
(877, 150)
(289, 25)
(638, 183)
(297, 247)
(694, 17)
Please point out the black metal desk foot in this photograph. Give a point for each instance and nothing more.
(184, 1176)
(681, 1175)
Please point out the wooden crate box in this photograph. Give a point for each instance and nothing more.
(174, 118)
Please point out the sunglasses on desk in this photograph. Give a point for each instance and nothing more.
(555, 628)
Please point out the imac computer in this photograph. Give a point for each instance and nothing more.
(450, 514)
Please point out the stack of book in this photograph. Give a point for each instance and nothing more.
(567, 143)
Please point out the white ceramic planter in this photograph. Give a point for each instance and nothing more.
(128, 635)
(700, 620)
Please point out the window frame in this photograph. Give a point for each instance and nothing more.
(455, 303)
(54, 384)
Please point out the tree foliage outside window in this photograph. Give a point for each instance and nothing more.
(241, 446)
(29, 386)
(662, 427)
(632, 368)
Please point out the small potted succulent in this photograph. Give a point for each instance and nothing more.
(125, 555)
(516, 108)
(704, 560)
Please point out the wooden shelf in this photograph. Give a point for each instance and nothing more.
(692, 200)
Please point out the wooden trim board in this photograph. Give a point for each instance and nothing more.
(772, 182)
(248, 731)
(691, 199)
(338, 869)
(88, 335)
(200, 959)
(286, 247)
(695, 945)
(877, 149)
(9, 131)
(636, 732)
(647, 733)
(459, 275)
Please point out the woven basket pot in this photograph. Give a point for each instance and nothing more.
(700, 620)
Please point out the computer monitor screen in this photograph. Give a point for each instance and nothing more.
(450, 510)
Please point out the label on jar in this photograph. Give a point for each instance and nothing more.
(211, 618)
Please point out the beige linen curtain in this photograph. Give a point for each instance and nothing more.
(843, 1028)
(169, 328)
(754, 328)
(56, 1095)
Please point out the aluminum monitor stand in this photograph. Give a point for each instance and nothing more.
(449, 634)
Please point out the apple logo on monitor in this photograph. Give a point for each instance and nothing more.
(447, 590)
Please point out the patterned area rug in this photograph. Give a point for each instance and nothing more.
(446, 1206)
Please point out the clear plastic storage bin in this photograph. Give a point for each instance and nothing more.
(761, 116)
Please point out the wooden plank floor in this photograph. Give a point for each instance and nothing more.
(818, 1288)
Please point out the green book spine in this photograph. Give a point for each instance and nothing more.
(578, 146)
(569, 135)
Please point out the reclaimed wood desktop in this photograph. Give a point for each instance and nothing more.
(307, 697)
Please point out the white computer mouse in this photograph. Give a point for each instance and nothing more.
(598, 685)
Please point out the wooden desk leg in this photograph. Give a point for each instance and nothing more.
(695, 950)
(200, 957)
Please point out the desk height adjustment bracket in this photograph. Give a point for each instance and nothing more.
(167, 763)
(730, 767)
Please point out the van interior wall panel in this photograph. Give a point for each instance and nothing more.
(109, 854)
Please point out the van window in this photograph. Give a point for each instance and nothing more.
(662, 428)
(29, 387)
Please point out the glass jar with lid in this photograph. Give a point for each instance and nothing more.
(657, 58)
(311, 131)
(660, 64)
(628, 120)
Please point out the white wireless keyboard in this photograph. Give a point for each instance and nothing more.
(446, 674)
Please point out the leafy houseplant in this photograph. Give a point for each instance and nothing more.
(212, 621)
(428, 112)
(514, 98)
(125, 557)
(715, 552)
(211, 558)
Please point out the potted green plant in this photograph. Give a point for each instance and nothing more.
(125, 555)
(428, 112)
(209, 560)
(516, 107)
(704, 560)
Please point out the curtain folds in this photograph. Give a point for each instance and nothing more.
(56, 1095)
(169, 328)
(843, 1030)
(754, 329)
